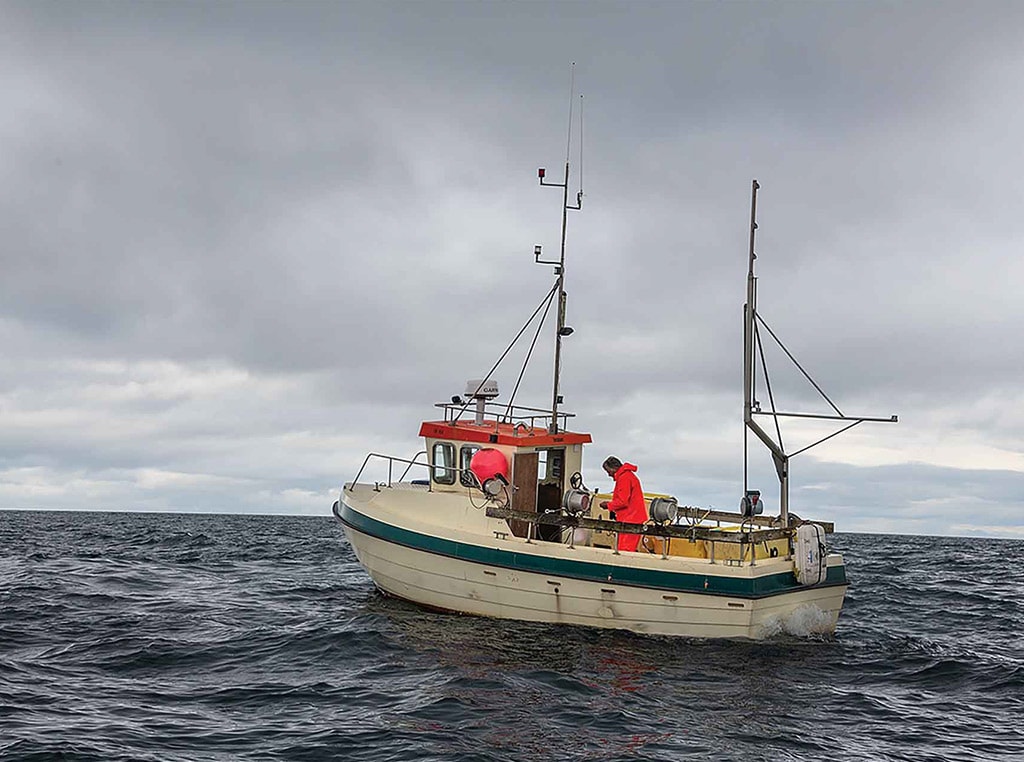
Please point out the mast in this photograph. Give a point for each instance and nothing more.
(749, 348)
(561, 329)
(751, 407)
(560, 321)
(748, 330)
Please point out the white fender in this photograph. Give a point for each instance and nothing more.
(811, 556)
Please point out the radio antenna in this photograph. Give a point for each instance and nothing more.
(579, 196)
(572, 93)
(561, 329)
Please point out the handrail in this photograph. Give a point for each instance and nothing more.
(414, 457)
(391, 459)
(501, 412)
(715, 534)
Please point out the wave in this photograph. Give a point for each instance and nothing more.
(127, 637)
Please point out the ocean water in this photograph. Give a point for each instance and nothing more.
(186, 637)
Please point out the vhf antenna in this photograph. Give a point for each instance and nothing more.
(561, 329)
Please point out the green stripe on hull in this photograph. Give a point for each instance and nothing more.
(707, 584)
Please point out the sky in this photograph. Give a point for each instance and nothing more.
(245, 244)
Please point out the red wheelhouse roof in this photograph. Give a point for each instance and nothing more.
(494, 432)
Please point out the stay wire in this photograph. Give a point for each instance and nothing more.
(529, 354)
(768, 383)
(508, 349)
(798, 365)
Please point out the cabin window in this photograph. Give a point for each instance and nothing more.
(443, 462)
(549, 465)
(466, 453)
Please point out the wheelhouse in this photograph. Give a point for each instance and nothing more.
(540, 462)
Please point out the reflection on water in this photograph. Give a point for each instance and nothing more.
(628, 691)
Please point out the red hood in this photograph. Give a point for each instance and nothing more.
(626, 467)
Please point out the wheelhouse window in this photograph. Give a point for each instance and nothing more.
(466, 453)
(443, 463)
(549, 465)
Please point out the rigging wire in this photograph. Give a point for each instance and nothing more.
(798, 365)
(540, 325)
(825, 439)
(508, 349)
(768, 384)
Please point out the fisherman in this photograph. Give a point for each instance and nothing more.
(627, 503)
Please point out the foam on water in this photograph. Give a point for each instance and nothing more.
(804, 621)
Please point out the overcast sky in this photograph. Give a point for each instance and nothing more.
(244, 244)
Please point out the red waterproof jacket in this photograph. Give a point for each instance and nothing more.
(628, 498)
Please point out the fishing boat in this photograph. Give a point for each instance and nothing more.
(491, 517)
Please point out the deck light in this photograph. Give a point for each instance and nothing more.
(493, 486)
(750, 504)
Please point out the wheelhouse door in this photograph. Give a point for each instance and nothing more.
(524, 490)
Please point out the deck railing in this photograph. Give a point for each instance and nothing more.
(746, 538)
(689, 525)
(531, 417)
(415, 461)
(391, 460)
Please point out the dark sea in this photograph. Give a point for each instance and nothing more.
(128, 636)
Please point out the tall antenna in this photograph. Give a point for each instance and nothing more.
(579, 196)
(561, 329)
(572, 91)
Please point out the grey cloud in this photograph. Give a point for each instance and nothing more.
(338, 200)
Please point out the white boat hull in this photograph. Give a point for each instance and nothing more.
(485, 579)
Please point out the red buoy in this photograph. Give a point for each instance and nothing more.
(488, 463)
